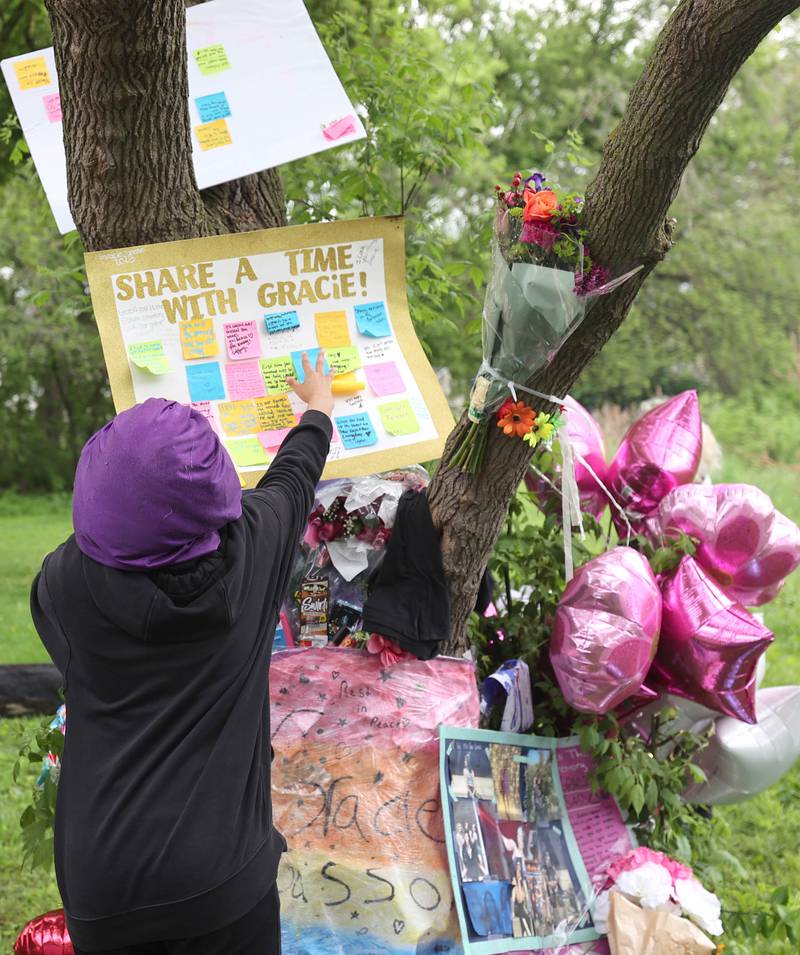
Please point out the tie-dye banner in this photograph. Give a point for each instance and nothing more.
(356, 794)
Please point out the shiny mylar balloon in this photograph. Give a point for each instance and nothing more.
(587, 441)
(45, 935)
(709, 645)
(742, 760)
(660, 451)
(606, 630)
(745, 544)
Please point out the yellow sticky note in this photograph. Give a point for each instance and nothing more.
(211, 59)
(275, 372)
(347, 384)
(198, 339)
(213, 135)
(32, 73)
(274, 412)
(343, 360)
(398, 418)
(332, 331)
(247, 452)
(238, 417)
(149, 356)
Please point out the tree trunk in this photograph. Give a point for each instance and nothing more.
(122, 71)
(123, 78)
(698, 53)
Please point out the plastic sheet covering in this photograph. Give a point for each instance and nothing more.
(356, 794)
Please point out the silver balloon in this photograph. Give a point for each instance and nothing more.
(743, 759)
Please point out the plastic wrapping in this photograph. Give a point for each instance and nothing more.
(356, 794)
(343, 545)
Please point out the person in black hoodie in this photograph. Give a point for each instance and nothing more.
(159, 613)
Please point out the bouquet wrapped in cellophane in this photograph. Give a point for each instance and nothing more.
(543, 282)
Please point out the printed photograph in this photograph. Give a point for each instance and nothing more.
(507, 777)
(521, 911)
(540, 797)
(489, 908)
(556, 895)
(470, 771)
(499, 848)
(468, 842)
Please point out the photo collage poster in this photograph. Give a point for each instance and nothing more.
(519, 878)
(220, 322)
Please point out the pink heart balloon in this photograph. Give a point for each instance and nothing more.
(606, 630)
(660, 451)
(748, 546)
(709, 645)
(45, 935)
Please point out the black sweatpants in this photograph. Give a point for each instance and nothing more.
(257, 933)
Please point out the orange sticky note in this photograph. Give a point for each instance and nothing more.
(213, 135)
(347, 384)
(332, 331)
(238, 418)
(274, 412)
(32, 72)
(198, 339)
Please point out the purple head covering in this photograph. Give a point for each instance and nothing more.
(153, 487)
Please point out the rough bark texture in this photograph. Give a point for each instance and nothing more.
(122, 73)
(697, 55)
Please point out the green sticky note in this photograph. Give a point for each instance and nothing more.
(398, 418)
(211, 59)
(275, 372)
(343, 359)
(247, 452)
(149, 356)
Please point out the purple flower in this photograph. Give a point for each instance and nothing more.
(588, 282)
(538, 181)
(543, 234)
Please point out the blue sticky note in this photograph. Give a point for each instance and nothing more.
(282, 321)
(211, 107)
(205, 381)
(372, 320)
(297, 361)
(356, 431)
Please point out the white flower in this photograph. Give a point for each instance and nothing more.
(600, 909)
(700, 905)
(649, 885)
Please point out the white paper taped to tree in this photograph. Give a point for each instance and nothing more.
(238, 51)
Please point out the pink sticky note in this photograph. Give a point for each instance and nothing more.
(336, 438)
(244, 380)
(205, 409)
(241, 340)
(52, 106)
(341, 127)
(272, 440)
(384, 379)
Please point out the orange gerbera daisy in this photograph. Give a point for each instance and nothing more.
(516, 418)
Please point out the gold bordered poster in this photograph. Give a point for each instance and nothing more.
(220, 322)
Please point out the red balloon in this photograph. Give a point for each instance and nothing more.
(660, 451)
(709, 645)
(46, 935)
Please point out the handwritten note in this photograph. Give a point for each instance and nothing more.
(372, 320)
(32, 72)
(332, 331)
(238, 417)
(356, 431)
(241, 340)
(343, 360)
(347, 384)
(206, 409)
(384, 379)
(52, 107)
(297, 361)
(149, 356)
(273, 412)
(213, 135)
(213, 106)
(272, 440)
(244, 380)
(340, 127)
(205, 381)
(398, 418)
(211, 59)
(281, 321)
(198, 339)
(275, 371)
(247, 452)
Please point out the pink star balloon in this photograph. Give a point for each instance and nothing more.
(45, 935)
(709, 645)
(660, 451)
(606, 630)
(748, 546)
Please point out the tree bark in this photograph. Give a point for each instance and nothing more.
(698, 53)
(122, 70)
